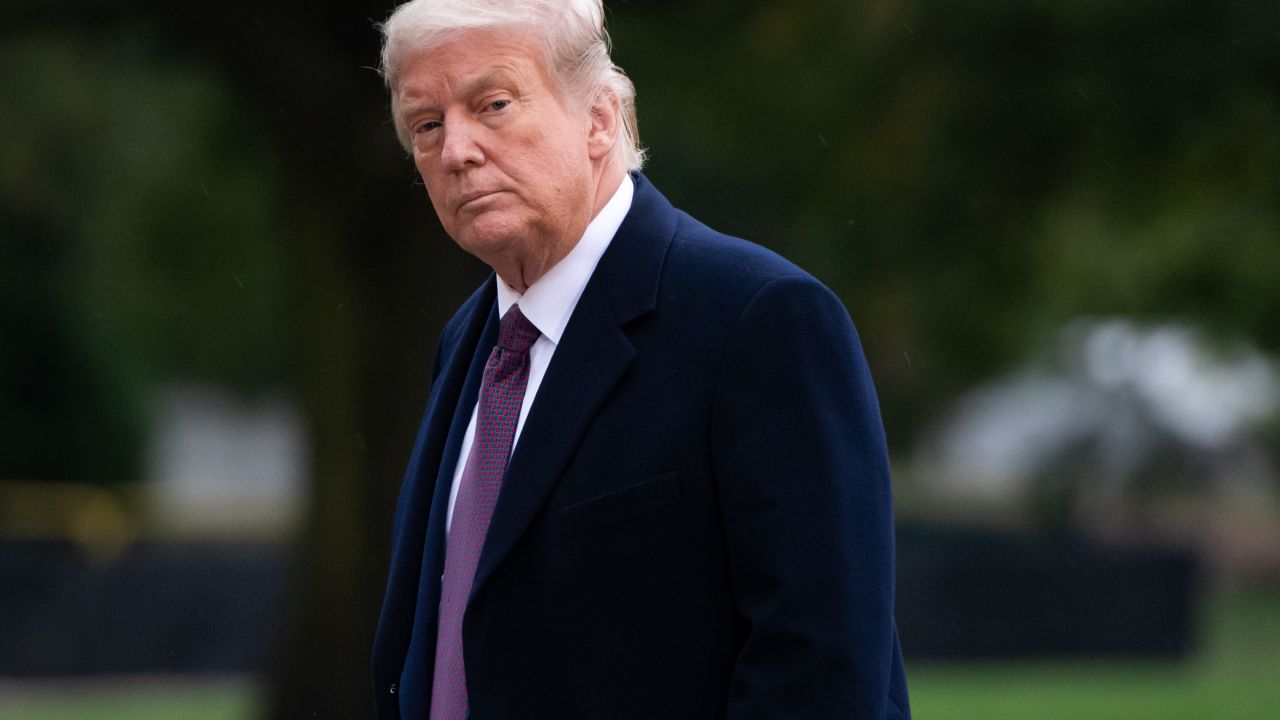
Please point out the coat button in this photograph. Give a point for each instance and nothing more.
(393, 688)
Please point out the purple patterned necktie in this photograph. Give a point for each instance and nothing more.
(501, 394)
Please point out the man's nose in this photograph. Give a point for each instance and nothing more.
(460, 147)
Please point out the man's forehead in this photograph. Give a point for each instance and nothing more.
(466, 65)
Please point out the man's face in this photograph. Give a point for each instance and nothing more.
(503, 155)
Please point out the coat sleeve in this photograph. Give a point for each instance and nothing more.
(801, 467)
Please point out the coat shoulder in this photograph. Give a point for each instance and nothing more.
(709, 263)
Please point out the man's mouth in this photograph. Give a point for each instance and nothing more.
(471, 197)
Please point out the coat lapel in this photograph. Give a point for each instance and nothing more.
(594, 353)
(418, 540)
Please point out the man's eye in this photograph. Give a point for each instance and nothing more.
(427, 126)
(499, 104)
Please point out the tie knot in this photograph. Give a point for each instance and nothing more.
(515, 332)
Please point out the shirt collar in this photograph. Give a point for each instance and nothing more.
(550, 301)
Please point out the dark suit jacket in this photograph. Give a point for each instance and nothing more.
(696, 521)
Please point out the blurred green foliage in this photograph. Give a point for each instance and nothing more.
(971, 176)
(139, 210)
(968, 177)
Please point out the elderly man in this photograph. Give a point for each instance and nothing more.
(651, 480)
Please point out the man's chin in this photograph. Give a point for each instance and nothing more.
(489, 243)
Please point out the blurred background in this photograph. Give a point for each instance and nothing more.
(1057, 226)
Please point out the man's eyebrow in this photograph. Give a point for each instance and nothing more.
(413, 107)
(495, 76)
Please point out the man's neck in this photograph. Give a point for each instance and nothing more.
(523, 272)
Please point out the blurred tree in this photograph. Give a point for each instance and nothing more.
(215, 195)
(214, 191)
(139, 246)
(971, 177)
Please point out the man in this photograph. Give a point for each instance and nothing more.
(651, 481)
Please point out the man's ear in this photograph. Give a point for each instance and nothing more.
(606, 124)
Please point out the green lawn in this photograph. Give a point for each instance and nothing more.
(176, 698)
(1236, 676)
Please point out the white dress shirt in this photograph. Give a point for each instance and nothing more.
(548, 304)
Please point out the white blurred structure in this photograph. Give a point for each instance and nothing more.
(1117, 404)
(221, 466)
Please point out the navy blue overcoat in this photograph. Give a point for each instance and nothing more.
(696, 521)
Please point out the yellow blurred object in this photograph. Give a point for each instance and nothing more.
(95, 518)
